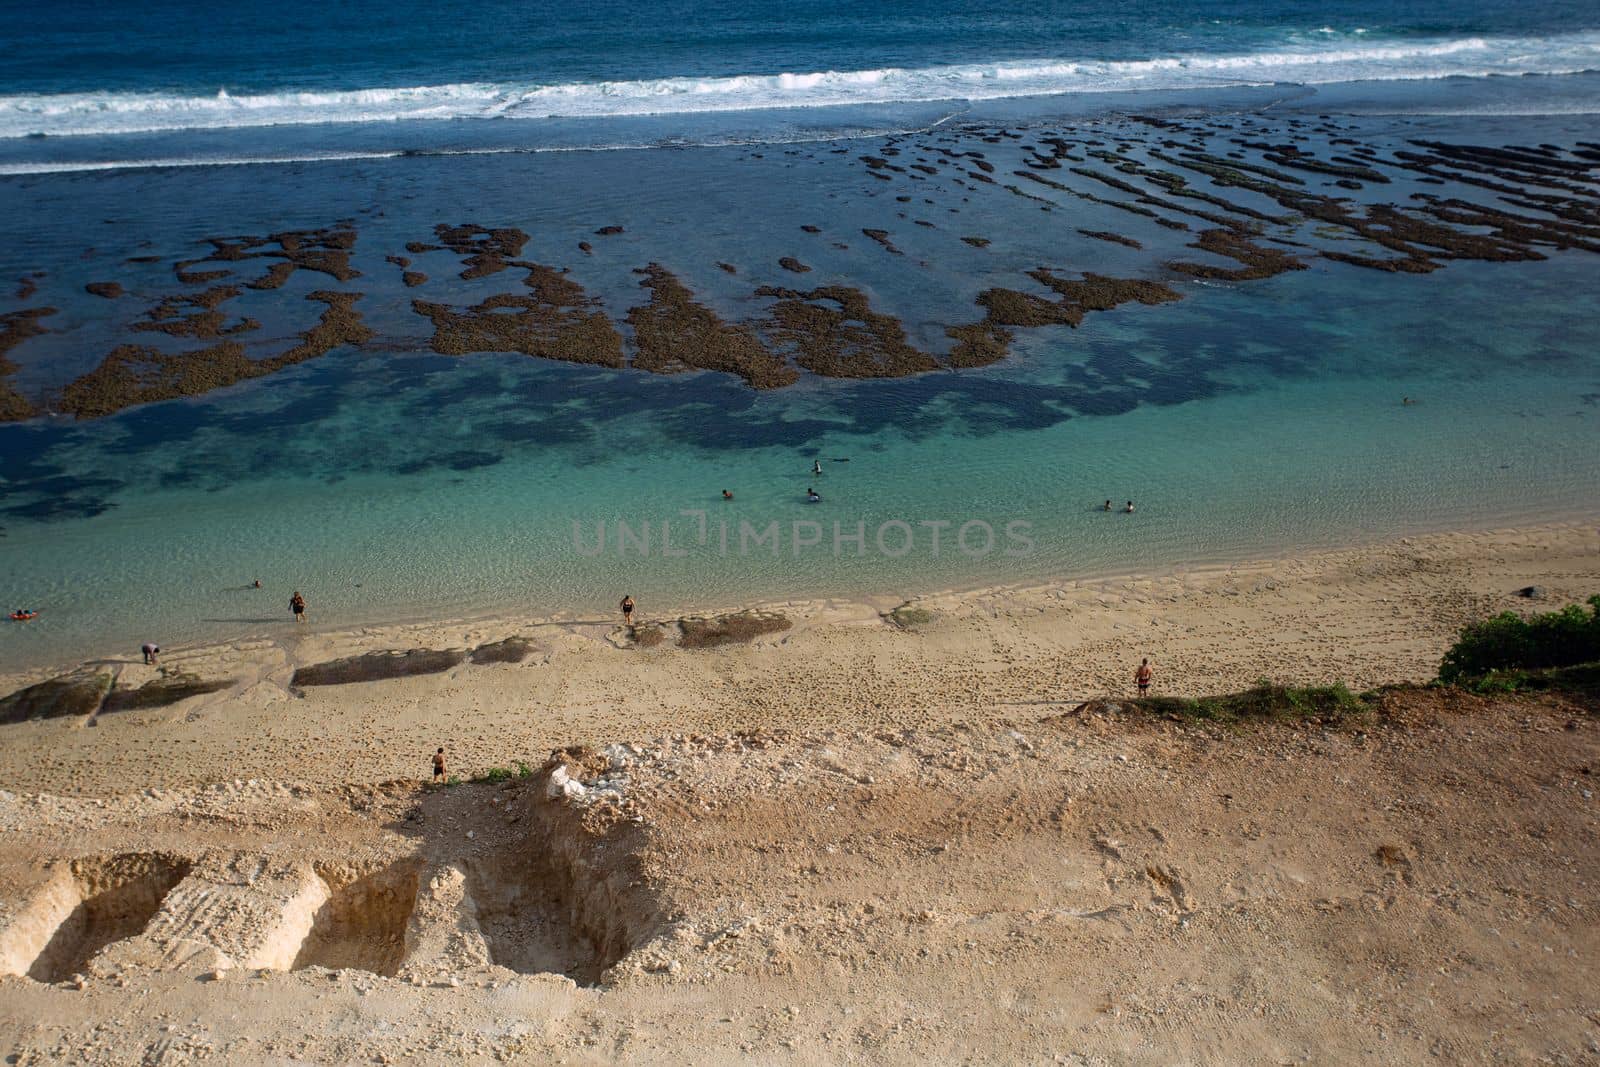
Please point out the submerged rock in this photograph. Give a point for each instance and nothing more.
(16, 327)
(833, 331)
(137, 374)
(675, 333)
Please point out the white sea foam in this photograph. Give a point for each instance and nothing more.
(1333, 59)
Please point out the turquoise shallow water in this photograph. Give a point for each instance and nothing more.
(398, 486)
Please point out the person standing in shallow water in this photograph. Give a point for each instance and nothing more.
(297, 604)
(151, 650)
(627, 610)
(1141, 677)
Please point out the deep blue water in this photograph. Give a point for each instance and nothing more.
(175, 46)
(82, 68)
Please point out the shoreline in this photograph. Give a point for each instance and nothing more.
(823, 609)
(1363, 616)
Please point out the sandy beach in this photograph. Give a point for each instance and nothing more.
(891, 832)
(1366, 616)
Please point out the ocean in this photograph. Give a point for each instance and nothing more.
(570, 242)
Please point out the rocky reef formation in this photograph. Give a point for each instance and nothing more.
(16, 327)
(556, 319)
(833, 331)
(1255, 197)
(1078, 297)
(675, 333)
(325, 251)
(138, 374)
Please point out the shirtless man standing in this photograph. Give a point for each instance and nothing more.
(438, 766)
(1141, 677)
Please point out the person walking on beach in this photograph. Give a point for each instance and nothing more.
(1141, 677)
(297, 604)
(627, 611)
(151, 650)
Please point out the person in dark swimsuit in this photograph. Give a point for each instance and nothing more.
(1141, 677)
(627, 610)
(297, 604)
(812, 496)
(438, 766)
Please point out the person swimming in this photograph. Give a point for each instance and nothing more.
(816, 466)
(812, 496)
(1108, 506)
(727, 494)
(1129, 509)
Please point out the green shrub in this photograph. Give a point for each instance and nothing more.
(1510, 642)
(1264, 700)
(495, 774)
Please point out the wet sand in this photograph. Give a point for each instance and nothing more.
(1366, 616)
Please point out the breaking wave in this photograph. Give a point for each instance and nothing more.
(1346, 59)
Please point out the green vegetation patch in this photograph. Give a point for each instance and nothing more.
(909, 618)
(1508, 641)
(1266, 700)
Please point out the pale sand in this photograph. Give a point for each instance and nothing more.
(943, 863)
(1366, 616)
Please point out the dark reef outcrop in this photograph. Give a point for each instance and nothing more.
(674, 333)
(555, 319)
(16, 327)
(833, 331)
(137, 374)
